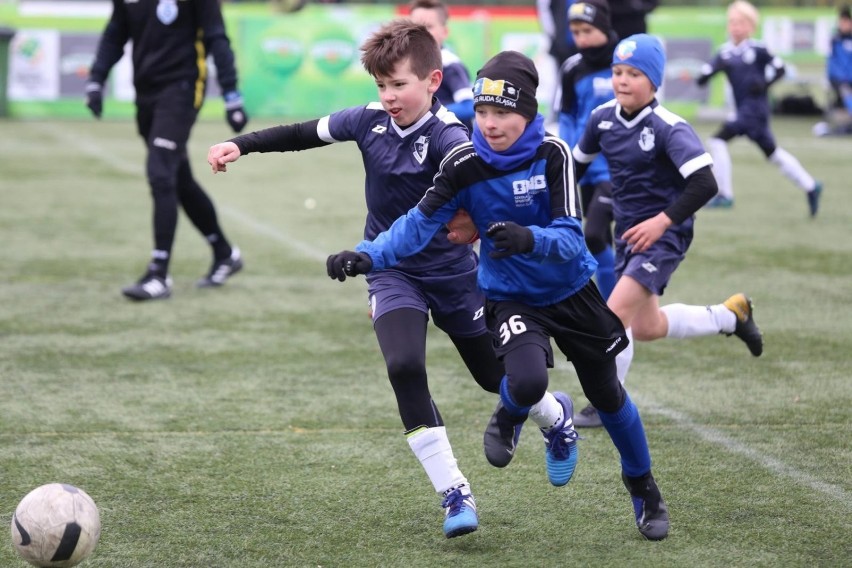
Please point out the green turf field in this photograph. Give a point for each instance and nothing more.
(254, 426)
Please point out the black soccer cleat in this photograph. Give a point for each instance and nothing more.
(813, 199)
(746, 329)
(501, 437)
(151, 286)
(221, 270)
(652, 515)
(587, 418)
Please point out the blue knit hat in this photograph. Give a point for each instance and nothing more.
(645, 53)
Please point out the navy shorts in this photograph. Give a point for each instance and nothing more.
(453, 299)
(653, 268)
(581, 325)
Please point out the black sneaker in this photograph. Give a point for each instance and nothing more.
(587, 418)
(501, 437)
(813, 199)
(745, 329)
(652, 515)
(152, 286)
(221, 270)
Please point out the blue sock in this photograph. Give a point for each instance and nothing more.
(509, 403)
(606, 271)
(627, 433)
(847, 102)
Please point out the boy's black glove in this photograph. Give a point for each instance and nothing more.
(348, 263)
(509, 238)
(95, 98)
(234, 111)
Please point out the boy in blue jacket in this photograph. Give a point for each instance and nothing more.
(517, 183)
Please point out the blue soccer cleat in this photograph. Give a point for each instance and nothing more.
(560, 445)
(460, 511)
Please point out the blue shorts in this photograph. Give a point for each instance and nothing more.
(453, 299)
(653, 268)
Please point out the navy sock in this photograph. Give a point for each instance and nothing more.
(605, 274)
(509, 403)
(628, 435)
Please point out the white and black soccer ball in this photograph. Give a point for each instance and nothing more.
(56, 525)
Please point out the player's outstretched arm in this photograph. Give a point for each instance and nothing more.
(221, 154)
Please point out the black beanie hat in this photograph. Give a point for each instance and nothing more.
(845, 12)
(594, 12)
(508, 79)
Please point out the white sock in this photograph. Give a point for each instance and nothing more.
(432, 448)
(695, 321)
(625, 358)
(547, 412)
(792, 169)
(722, 169)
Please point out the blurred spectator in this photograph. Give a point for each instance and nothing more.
(839, 70)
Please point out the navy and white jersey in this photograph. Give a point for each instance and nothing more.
(399, 165)
(650, 156)
(456, 87)
(540, 193)
(586, 84)
(750, 69)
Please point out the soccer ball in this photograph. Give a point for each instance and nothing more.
(56, 525)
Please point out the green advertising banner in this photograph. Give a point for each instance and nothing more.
(306, 63)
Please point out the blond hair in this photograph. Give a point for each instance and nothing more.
(746, 10)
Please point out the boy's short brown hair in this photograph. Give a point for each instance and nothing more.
(437, 5)
(399, 40)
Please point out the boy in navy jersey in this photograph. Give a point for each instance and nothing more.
(661, 175)
(455, 91)
(403, 140)
(750, 69)
(587, 84)
(518, 185)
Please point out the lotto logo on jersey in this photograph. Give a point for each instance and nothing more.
(525, 189)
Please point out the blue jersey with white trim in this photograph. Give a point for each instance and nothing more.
(540, 194)
(649, 156)
(399, 165)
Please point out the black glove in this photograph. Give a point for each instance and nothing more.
(95, 98)
(509, 238)
(348, 263)
(234, 112)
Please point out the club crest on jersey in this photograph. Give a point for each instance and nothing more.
(421, 147)
(167, 11)
(646, 139)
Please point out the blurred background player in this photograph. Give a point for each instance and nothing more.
(750, 70)
(456, 91)
(839, 71)
(661, 175)
(403, 139)
(171, 41)
(587, 84)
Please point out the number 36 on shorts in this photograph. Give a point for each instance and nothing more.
(512, 326)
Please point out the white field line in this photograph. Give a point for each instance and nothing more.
(91, 148)
(730, 445)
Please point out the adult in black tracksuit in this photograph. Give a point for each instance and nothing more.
(171, 41)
